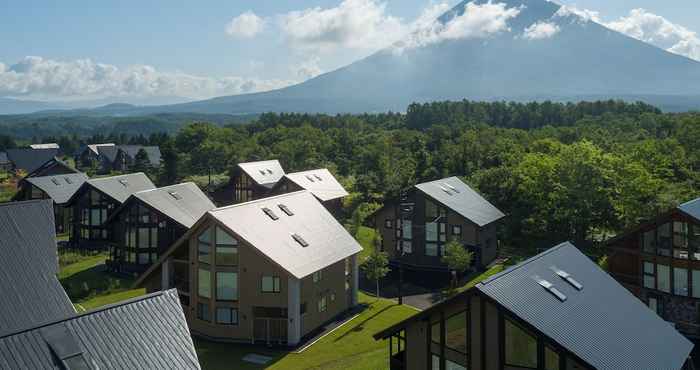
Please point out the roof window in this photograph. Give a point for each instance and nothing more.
(68, 180)
(55, 181)
(308, 177)
(269, 171)
(445, 190)
(550, 288)
(300, 240)
(270, 213)
(318, 177)
(124, 182)
(262, 172)
(286, 209)
(568, 278)
(450, 187)
(175, 195)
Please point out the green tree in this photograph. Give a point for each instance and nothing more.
(141, 162)
(457, 258)
(376, 266)
(169, 169)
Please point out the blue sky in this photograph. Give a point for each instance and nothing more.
(190, 39)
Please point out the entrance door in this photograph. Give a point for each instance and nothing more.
(260, 330)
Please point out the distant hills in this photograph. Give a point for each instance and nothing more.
(582, 60)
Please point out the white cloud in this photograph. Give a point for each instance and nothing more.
(541, 30)
(659, 31)
(246, 25)
(584, 15)
(309, 69)
(477, 21)
(84, 79)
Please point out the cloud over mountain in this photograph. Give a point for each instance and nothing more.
(541, 30)
(246, 25)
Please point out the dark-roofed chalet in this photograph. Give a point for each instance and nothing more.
(557, 310)
(430, 215)
(249, 181)
(28, 159)
(320, 182)
(5, 164)
(31, 291)
(148, 332)
(53, 166)
(94, 203)
(125, 157)
(58, 188)
(659, 261)
(152, 220)
(89, 156)
(271, 270)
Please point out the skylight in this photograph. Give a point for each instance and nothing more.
(550, 288)
(568, 278)
(318, 177)
(269, 171)
(286, 209)
(55, 181)
(308, 177)
(175, 195)
(300, 240)
(270, 214)
(124, 182)
(262, 172)
(68, 180)
(445, 190)
(450, 187)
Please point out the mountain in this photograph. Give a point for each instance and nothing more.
(112, 106)
(17, 106)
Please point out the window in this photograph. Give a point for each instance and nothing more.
(696, 283)
(204, 246)
(680, 240)
(226, 286)
(664, 242)
(300, 240)
(456, 230)
(407, 246)
(204, 283)
(431, 249)
(406, 230)
(227, 315)
(226, 248)
(663, 278)
(654, 304)
(348, 266)
(551, 358)
(332, 297)
(302, 308)
(322, 304)
(431, 231)
(270, 213)
(270, 284)
(456, 332)
(520, 346)
(649, 277)
(388, 224)
(317, 276)
(203, 311)
(144, 241)
(286, 210)
(435, 362)
(680, 281)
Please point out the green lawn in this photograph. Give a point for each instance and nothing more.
(366, 237)
(486, 274)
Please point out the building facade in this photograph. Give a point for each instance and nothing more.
(659, 261)
(255, 272)
(415, 229)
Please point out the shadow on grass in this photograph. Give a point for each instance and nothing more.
(93, 281)
(360, 326)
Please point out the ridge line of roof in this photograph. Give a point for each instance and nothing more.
(165, 187)
(305, 171)
(116, 176)
(522, 264)
(257, 201)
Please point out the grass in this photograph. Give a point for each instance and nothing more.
(483, 276)
(350, 347)
(365, 236)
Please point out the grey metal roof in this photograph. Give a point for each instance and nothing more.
(603, 324)
(153, 152)
(60, 188)
(107, 152)
(148, 332)
(692, 208)
(460, 198)
(121, 187)
(30, 159)
(94, 147)
(185, 203)
(320, 182)
(45, 146)
(31, 292)
(328, 241)
(265, 173)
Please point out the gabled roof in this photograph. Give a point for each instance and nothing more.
(265, 173)
(107, 152)
(184, 203)
(460, 198)
(691, 208)
(31, 292)
(30, 159)
(603, 324)
(3, 158)
(320, 182)
(45, 146)
(153, 152)
(94, 147)
(148, 332)
(121, 187)
(48, 165)
(60, 188)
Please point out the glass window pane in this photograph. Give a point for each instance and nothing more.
(431, 249)
(664, 236)
(267, 284)
(648, 242)
(222, 237)
(205, 236)
(648, 268)
(649, 281)
(204, 281)
(663, 278)
(435, 332)
(520, 346)
(226, 255)
(551, 359)
(680, 281)
(431, 231)
(144, 234)
(227, 286)
(436, 363)
(407, 230)
(456, 332)
(203, 311)
(696, 283)
(449, 365)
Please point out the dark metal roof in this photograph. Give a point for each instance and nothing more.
(30, 159)
(106, 152)
(60, 188)
(265, 173)
(3, 158)
(320, 182)
(153, 152)
(31, 292)
(603, 323)
(94, 147)
(184, 203)
(460, 198)
(692, 208)
(121, 187)
(148, 332)
(48, 165)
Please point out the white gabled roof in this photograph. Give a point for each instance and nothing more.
(265, 173)
(320, 182)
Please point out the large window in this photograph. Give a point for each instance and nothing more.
(551, 358)
(226, 248)
(456, 332)
(520, 346)
(227, 315)
(322, 304)
(204, 283)
(680, 240)
(664, 240)
(203, 311)
(680, 281)
(649, 241)
(694, 241)
(663, 278)
(270, 284)
(227, 286)
(435, 227)
(696, 283)
(649, 276)
(204, 246)
(407, 230)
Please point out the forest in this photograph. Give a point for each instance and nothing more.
(560, 171)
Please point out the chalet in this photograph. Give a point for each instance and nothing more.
(249, 181)
(557, 310)
(31, 292)
(148, 332)
(109, 157)
(58, 188)
(150, 221)
(95, 201)
(5, 164)
(88, 156)
(272, 270)
(659, 261)
(320, 182)
(28, 160)
(415, 229)
(53, 166)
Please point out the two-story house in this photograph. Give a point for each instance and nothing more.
(249, 181)
(271, 270)
(415, 228)
(320, 182)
